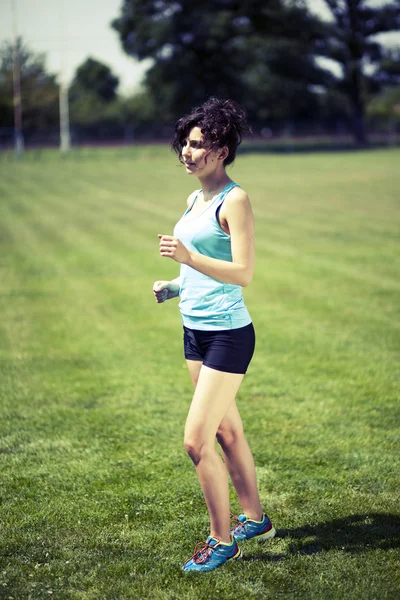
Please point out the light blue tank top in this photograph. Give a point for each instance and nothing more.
(208, 304)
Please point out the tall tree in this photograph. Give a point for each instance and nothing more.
(284, 37)
(39, 89)
(93, 95)
(96, 78)
(388, 72)
(352, 43)
(385, 106)
(191, 44)
(251, 50)
(260, 52)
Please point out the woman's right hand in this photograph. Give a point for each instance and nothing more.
(165, 290)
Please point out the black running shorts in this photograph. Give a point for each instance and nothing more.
(228, 350)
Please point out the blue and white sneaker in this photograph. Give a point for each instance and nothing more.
(247, 529)
(212, 554)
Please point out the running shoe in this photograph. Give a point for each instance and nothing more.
(212, 554)
(247, 529)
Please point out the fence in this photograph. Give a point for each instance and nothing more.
(273, 136)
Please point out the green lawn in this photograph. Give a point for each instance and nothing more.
(98, 497)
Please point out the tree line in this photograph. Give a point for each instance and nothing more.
(274, 56)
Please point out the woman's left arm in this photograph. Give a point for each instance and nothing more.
(239, 217)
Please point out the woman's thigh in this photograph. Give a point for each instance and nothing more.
(231, 424)
(194, 367)
(214, 394)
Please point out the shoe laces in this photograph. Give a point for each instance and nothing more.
(201, 552)
(236, 525)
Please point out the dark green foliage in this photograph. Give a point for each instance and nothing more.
(351, 42)
(386, 106)
(389, 68)
(93, 99)
(193, 45)
(249, 51)
(96, 78)
(262, 54)
(39, 89)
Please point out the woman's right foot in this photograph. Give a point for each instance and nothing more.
(212, 554)
(247, 529)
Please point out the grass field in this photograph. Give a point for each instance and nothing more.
(98, 497)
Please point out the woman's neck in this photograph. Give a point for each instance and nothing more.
(213, 183)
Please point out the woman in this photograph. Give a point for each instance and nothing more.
(214, 242)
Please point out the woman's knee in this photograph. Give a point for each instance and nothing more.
(228, 435)
(196, 448)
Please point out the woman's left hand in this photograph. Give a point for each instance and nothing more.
(172, 247)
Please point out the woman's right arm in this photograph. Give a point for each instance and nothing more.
(165, 290)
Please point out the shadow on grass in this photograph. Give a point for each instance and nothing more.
(355, 533)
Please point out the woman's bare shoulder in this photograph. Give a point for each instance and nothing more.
(237, 196)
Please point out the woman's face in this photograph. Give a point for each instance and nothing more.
(198, 156)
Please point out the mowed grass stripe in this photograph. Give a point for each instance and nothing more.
(81, 297)
(83, 308)
(98, 235)
(327, 222)
(268, 274)
(99, 496)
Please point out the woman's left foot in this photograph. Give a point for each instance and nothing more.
(212, 554)
(247, 529)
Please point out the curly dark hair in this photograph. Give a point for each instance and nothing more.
(222, 123)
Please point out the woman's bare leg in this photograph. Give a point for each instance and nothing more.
(237, 454)
(194, 367)
(214, 393)
(240, 462)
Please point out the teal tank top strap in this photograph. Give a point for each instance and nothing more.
(218, 200)
(225, 192)
(194, 195)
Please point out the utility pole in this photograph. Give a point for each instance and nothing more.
(65, 139)
(18, 136)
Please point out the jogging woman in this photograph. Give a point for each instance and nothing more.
(214, 242)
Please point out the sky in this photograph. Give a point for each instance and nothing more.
(69, 31)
